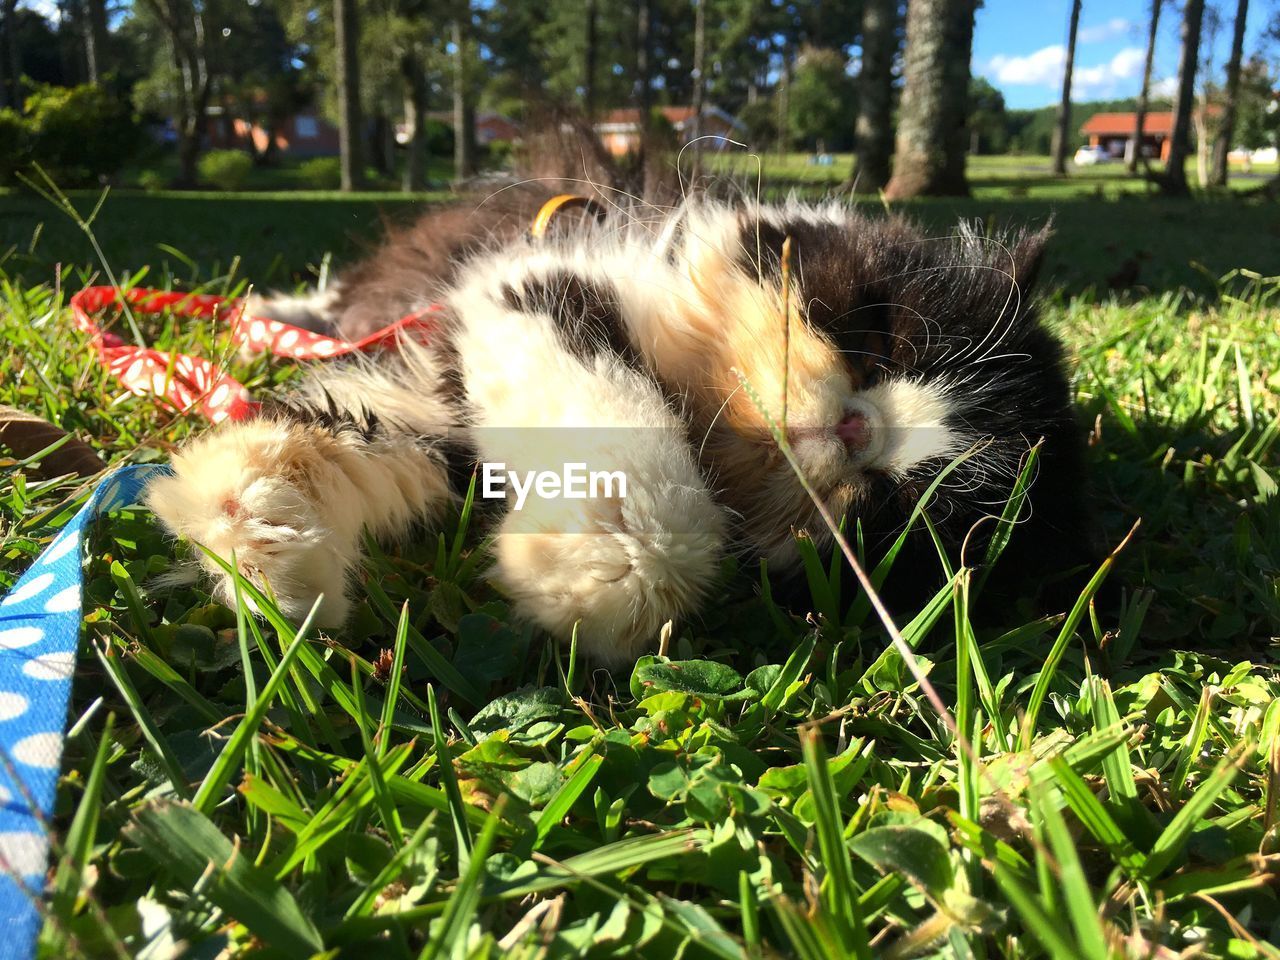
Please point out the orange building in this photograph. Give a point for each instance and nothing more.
(619, 130)
(1114, 132)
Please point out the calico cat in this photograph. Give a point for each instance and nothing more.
(663, 347)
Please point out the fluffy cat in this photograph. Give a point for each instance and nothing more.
(648, 345)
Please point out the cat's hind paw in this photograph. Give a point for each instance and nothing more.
(620, 569)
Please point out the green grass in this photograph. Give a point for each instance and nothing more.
(779, 785)
(1109, 233)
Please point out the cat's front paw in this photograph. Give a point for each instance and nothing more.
(249, 491)
(618, 568)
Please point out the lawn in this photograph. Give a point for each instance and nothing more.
(1109, 234)
(779, 784)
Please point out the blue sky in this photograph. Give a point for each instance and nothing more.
(1019, 45)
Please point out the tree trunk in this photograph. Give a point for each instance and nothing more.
(200, 89)
(464, 118)
(415, 117)
(784, 101)
(873, 130)
(346, 35)
(191, 133)
(1062, 132)
(1140, 118)
(4, 53)
(590, 55)
(95, 40)
(644, 83)
(381, 138)
(12, 80)
(1227, 130)
(931, 141)
(1174, 180)
(699, 85)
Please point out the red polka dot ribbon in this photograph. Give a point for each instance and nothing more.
(184, 382)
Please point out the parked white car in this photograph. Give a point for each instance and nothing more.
(1088, 156)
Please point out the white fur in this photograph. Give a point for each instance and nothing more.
(291, 501)
(621, 566)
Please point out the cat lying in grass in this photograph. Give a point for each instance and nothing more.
(665, 347)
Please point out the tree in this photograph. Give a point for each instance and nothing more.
(1258, 106)
(591, 40)
(644, 79)
(95, 39)
(1174, 180)
(415, 119)
(1231, 96)
(346, 34)
(821, 98)
(699, 85)
(1140, 115)
(988, 122)
(183, 22)
(464, 112)
(11, 77)
(930, 153)
(1062, 134)
(873, 130)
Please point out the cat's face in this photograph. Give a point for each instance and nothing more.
(900, 355)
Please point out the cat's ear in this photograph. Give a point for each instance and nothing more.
(1027, 250)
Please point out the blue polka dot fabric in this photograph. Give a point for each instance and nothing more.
(39, 632)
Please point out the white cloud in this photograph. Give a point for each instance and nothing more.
(1125, 65)
(1100, 32)
(1044, 69)
(1040, 69)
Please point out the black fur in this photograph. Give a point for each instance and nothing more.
(942, 309)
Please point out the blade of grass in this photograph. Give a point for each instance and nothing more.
(1041, 689)
(393, 682)
(838, 890)
(1173, 838)
(465, 899)
(1074, 885)
(168, 760)
(386, 807)
(449, 778)
(219, 775)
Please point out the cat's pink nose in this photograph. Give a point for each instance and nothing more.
(855, 431)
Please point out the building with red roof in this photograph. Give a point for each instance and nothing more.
(1114, 132)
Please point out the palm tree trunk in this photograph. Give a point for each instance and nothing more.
(873, 130)
(346, 30)
(1218, 168)
(1174, 180)
(930, 152)
(1062, 132)
(1140, 118)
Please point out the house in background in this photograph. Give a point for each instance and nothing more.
(303, 134)
(307, 134)
(1114, 133)
(489, 127)
(619, 130)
